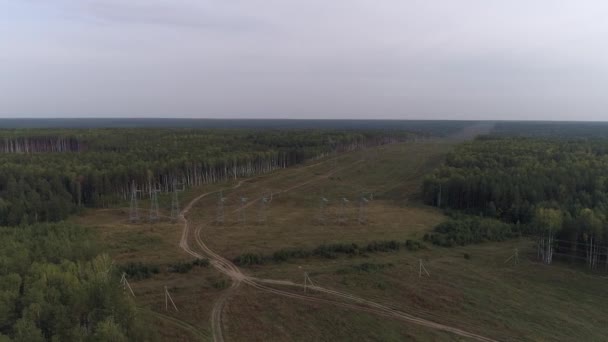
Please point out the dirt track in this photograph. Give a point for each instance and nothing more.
(344, 300)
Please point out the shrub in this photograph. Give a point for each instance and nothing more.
(185, 267)
(383, 246)
(248, 259)
(139, 270)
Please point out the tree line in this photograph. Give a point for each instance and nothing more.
(556, 188)
(47, 174)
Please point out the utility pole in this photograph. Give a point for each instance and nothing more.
(167, 299)
(125, 284)
(242, 216)
(153, 217)
(307, 280)
(134, 208)
(422, 268)
(219, 218)
(175, 200)
(514, 257)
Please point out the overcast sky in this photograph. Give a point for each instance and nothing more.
(401, 59)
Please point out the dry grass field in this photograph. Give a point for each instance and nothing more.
(479, 293)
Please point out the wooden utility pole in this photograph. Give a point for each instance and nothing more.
(422, 268)
(167, 299)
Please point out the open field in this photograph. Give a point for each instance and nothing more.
(480, 294)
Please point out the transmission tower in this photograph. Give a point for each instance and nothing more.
(262, 211)
(342, 217)
(363, 210)
(153, 217)
(134, 209)
(323, 210)
(175, 200)
(220, 209)
(242, 216)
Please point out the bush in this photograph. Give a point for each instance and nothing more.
(413, 245)
(467, 230)
(248, 259)
(201, 262)
(139, 270)
(185, 267)
(383, 246)
(285, 254)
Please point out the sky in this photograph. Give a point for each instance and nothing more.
(340, 59)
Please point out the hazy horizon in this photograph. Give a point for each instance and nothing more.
(356, 59)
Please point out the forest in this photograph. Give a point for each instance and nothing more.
(46, 174)
(555, 188)
(54, 286)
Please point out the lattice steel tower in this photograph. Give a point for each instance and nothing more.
(363, 202)
(342, 217)
(175, 201)
(219, 219)
(242, 214)
(154, 215)
(322, 217)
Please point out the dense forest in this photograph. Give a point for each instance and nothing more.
(47, 174)
(556, 188)
(55, 287)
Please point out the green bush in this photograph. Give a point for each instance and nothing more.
(468, 230)
(138, 270)
(249, 259)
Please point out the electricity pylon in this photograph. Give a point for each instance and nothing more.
(242, 216)
(153, 217)
(175, 201)
(219, 219)
(262, 211)
(363, 210)
(134, 208)
(323, 210)
(342, 219)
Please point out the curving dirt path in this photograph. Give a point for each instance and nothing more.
(344, 300)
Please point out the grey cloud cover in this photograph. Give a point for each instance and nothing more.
(468, 59)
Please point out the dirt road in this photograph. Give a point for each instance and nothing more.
(342, 299)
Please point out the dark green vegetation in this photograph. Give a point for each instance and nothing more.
(433, 127)
(547, 129)
(328, 251)
(466, 230)
(47, 174)
(54, 286)
(552, 187)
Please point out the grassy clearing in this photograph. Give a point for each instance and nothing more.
(282, 319)
(391, 173)
(479, 293)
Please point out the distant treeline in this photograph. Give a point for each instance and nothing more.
(47, 174)
(555, 188)
(433, 127)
